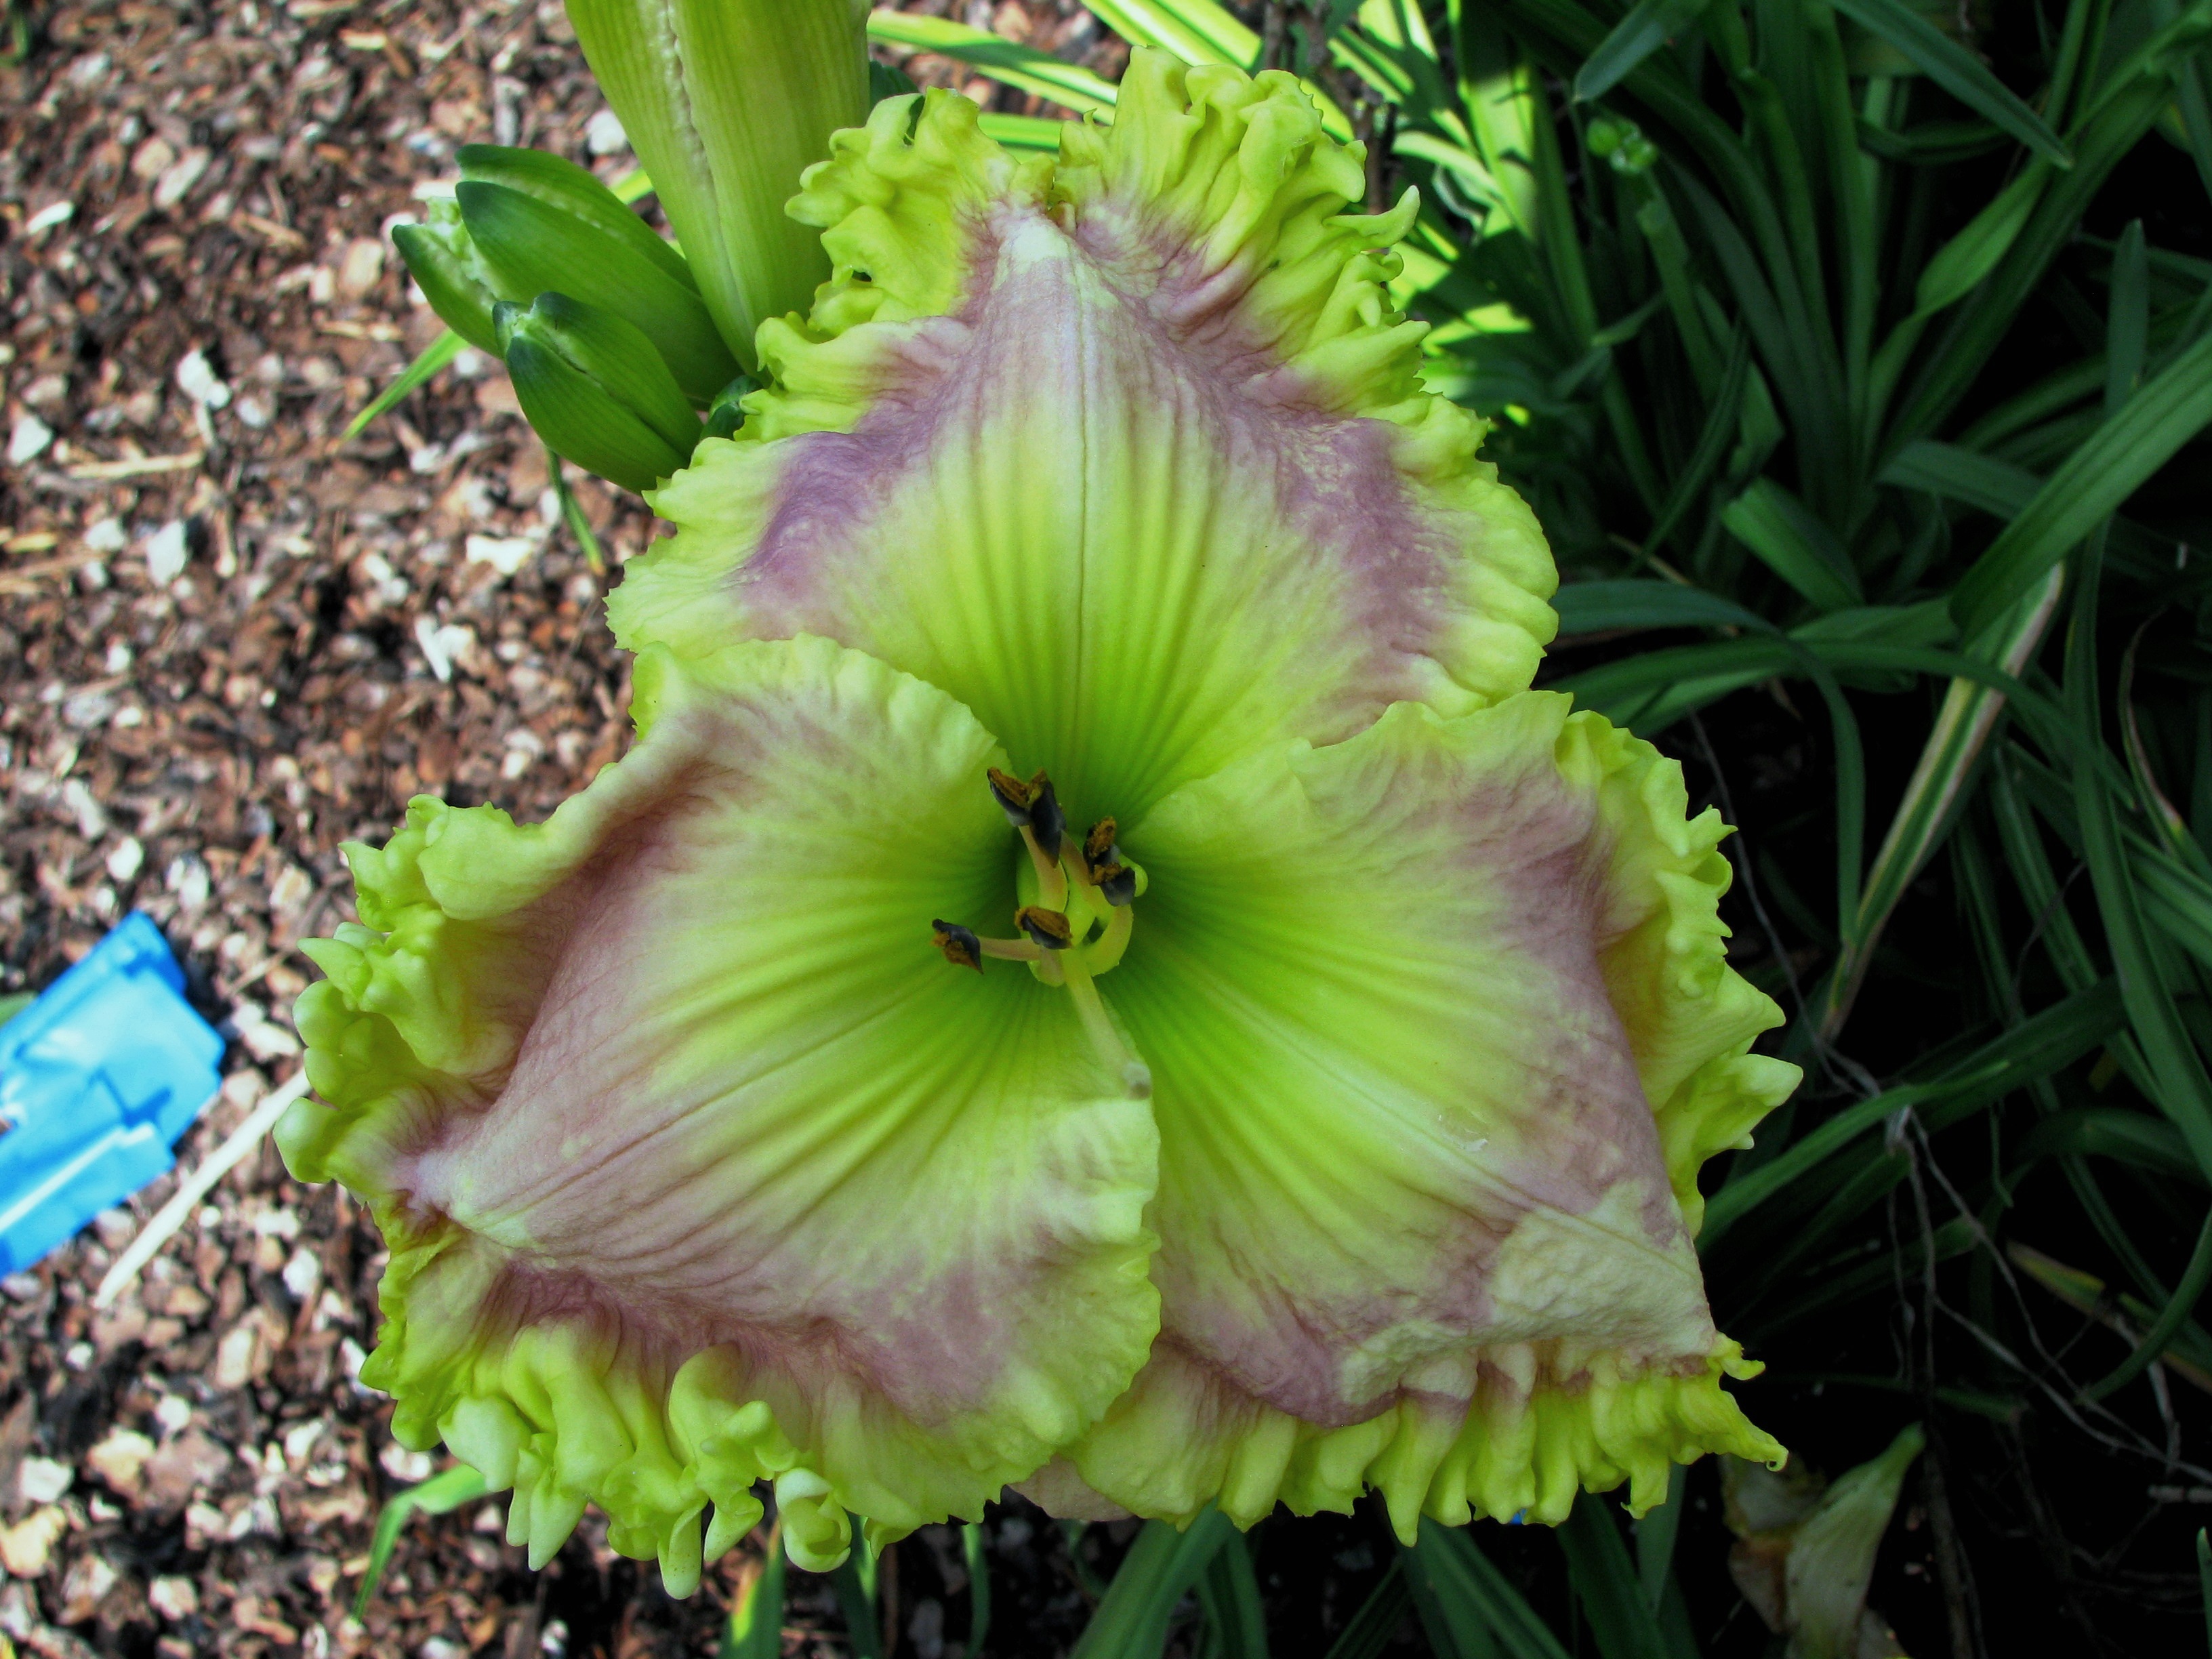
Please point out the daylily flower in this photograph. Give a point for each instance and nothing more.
(1093, 598)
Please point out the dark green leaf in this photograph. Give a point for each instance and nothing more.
(1607, 1584)
(559, 183)
(1480, 1612)
(1957, 70)
(1160, 1568)
(1649, 25)
(1603, 607)
(974, 1552)
(2171, 409)
(1229, 1603)
(1793, 543)
(1370, 1629)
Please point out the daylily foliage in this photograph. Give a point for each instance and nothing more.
(1347, 1137)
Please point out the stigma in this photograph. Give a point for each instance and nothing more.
(1077, 913)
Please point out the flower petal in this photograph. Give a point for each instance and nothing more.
(1427, 1012)
(697, 1164)
(1131, 456)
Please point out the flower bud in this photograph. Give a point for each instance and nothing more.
(596, 390)
(523, 223)
(727, 102)
(447, 269)
(536, 232)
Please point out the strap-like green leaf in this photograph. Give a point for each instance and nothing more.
(1476, 1609)
(1607, 1586)
(1024, 68)
(1649, 25)
(1957, 70)
(1370, 1629)
(1196, 31)
(755, 1630)
(2173, 407)
(1161, 1567)
(1793, 543)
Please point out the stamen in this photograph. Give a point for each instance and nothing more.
(1098, 849)
(1098, 1025)
(961, 947)
(1013, 795)
(1050, 928)
(1052, 880)
(1046, 817)
(1117, 883)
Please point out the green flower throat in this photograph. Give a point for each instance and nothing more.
(1078, 910)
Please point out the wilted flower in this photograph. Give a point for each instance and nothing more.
(1355, 1020)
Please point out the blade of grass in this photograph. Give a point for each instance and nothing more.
(1036, 133)
(1972, 340)
(2163, 1330)
(854, 1583)
(1370, 1629)
(1655, 1538)
(755, 1630)
(974, 1552)
(1196, 31)
(432, 357)
(1793, 543)
(1595, 607)
(441, 1494)
(2054, 1038)
(1932, 800)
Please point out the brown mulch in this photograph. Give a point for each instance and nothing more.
(230, 642)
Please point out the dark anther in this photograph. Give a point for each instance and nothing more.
(1045, 816)
(1117, 883)
(1013, 795)
(1098, 845)
(1049, 928)
(961, 947)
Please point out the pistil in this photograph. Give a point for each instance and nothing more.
(1079, 922)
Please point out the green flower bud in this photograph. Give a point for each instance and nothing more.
(560, 183)
(727, 413)
(596, 390)
(531, 245)
(726, 103)
(452, 275)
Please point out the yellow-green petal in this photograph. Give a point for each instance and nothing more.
(1439, 1026)
(698, 1165)
(1126, 451)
